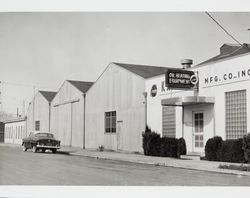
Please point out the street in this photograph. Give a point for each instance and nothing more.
(27, 168)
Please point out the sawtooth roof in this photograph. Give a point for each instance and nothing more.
(144, 71)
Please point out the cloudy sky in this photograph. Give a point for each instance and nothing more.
(44, 49)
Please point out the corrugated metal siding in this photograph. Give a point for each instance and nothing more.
(121, 91)
(67, 116)
(168, 121)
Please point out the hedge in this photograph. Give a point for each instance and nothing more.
(246, 147)
(226, 151)
(154, 145)
(231, 151)
(211, 148)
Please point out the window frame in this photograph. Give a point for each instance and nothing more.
(37, 126)
(112, 124)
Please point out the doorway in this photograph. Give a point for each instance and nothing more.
(198, 131)
(119, 134)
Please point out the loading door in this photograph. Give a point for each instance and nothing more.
(64, 124)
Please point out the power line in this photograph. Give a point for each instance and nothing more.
(224, 29)
(24, 85)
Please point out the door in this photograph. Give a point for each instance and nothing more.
(198, 132)
(119, 134)
(64, 124)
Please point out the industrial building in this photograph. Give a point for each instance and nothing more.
(217, 106)
(39, 112)
(115, 107)
(113, 112)
(15, 130)
(67, 113)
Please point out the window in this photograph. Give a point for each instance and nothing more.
(37, 125)
(168, 121)
(236, 114)
(198, 129)
(110, 122)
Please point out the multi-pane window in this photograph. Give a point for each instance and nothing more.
(110, 122)
(236, 114)
(37, 125)
(168, 121)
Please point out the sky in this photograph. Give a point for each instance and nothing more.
(39, 50)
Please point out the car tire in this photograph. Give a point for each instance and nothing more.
(34, 149)
(54, 151)
(24, 148)
(43, 150)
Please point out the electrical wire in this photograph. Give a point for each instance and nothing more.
(23, 84)
(224, 29)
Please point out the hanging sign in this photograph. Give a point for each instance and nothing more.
(180, 79)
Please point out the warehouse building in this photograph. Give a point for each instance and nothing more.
(115, 107)
(39, 112)
(67, 113)
(15, 130)
(217, 106)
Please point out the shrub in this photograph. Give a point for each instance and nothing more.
(231, 151)
(246, 147)
(169, 147)
(182, 149)
(154, 145)
(211, 148)
(151, 143)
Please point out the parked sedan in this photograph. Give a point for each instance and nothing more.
(41, 141)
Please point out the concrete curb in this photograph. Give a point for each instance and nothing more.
(214, 170)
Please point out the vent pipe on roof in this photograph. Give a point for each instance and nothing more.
(186, 63)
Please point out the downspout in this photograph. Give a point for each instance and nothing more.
(71, 122)
(49, 115)
(33, 120)
(182, 121)
(84, 113)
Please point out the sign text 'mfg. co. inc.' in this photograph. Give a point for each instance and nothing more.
(180, 79)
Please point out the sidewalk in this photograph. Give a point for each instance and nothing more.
(158, 161)
(202, 165)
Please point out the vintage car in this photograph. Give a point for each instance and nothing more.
(41, 141)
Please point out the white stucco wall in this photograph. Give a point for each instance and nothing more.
(213, 82)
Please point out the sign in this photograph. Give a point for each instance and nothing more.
(227, 74)
(153, 91)
(180, 79)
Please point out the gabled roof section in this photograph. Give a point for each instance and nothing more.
(228, 51)
(144, 71)
(83, 86)
(49, 95)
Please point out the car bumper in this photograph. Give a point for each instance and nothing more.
(47, 147)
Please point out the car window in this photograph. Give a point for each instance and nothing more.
(49, 135)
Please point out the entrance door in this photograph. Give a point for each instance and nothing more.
(119, 134)
(198, 132)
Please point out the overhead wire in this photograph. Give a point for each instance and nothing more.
(230, 35)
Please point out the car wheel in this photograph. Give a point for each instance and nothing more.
(34, 149)
(54, 151)
(43, 150)
(24, 148)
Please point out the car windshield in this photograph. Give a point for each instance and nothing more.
(49, 135)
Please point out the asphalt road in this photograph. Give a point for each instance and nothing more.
(27, 168)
